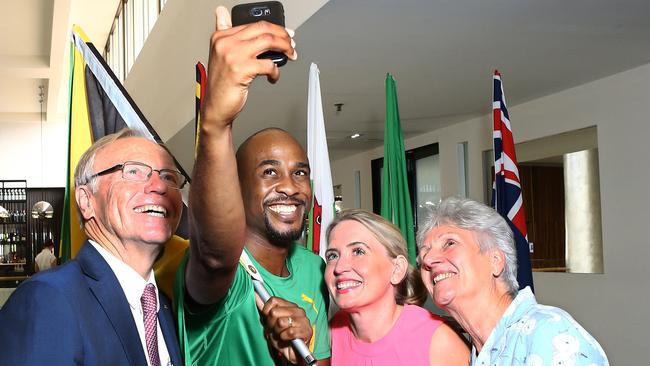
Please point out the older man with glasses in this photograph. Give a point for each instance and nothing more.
(104, 307)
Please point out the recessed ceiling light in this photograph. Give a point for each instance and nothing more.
(355, 135)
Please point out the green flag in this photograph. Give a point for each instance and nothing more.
(395, 199)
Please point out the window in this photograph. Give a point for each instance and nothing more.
(423, 174)
(134, 21)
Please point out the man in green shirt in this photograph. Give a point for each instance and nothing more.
(253, 201)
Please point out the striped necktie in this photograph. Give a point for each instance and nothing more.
(148, 301)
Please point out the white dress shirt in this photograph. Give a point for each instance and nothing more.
(133, 286)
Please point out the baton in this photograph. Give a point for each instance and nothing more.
(298, 344)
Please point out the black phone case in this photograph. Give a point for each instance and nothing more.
(270, 11)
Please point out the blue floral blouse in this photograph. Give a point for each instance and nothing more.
(536, 335)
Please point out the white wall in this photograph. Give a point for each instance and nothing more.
(20, 153)
(612, 306)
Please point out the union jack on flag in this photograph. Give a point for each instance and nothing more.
(506, 191)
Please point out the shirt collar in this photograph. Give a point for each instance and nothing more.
(131, 282)
(517, 308)
(266, 274)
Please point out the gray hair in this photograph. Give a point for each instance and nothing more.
(411, 290)
(83, 173)
(492, 229)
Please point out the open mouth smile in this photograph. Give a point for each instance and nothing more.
(347, 285)
(152, 210)
(442, 277)
(283, 209)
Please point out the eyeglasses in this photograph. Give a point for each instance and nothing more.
(141, 172)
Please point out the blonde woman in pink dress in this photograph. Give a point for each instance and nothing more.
(378, 293)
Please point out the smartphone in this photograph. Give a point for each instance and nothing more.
(270, 11)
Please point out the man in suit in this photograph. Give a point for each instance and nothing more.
(103, 307)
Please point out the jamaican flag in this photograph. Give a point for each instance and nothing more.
(99, 105)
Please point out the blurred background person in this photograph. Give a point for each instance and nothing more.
(46, 258)
(378, 293)
(469, 265)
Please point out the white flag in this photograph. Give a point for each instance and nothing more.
(322, 212)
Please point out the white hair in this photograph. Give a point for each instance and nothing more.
(492, 229)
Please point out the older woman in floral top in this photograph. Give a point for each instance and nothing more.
(469, 265)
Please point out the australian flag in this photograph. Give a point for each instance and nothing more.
(506, 191)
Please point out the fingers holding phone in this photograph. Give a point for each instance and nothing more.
(266, 41)
(235, 61)
(255, 13)
(262, 26)
(223, 20)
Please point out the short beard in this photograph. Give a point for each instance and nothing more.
(282, 239)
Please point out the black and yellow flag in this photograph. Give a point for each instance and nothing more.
(99, 105)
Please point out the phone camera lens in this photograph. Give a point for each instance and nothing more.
(257, 12)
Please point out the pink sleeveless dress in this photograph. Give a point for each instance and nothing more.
(407, 343)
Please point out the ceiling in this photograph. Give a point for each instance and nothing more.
(34, 50)
(441, 52)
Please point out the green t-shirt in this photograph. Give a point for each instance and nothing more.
(230, 332)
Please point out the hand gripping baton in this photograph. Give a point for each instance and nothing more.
(298, 344)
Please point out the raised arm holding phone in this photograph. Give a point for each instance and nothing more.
(255, 200)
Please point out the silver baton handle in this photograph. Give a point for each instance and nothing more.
(298, 344)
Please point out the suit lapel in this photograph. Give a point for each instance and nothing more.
(106, 288)
(166, 321)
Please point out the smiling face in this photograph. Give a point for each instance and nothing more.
(274, 177)
(132, 212)
(453, 267)
(359, 271)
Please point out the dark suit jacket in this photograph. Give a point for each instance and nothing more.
(77, 314)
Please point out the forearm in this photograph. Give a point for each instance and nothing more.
(216, 214)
